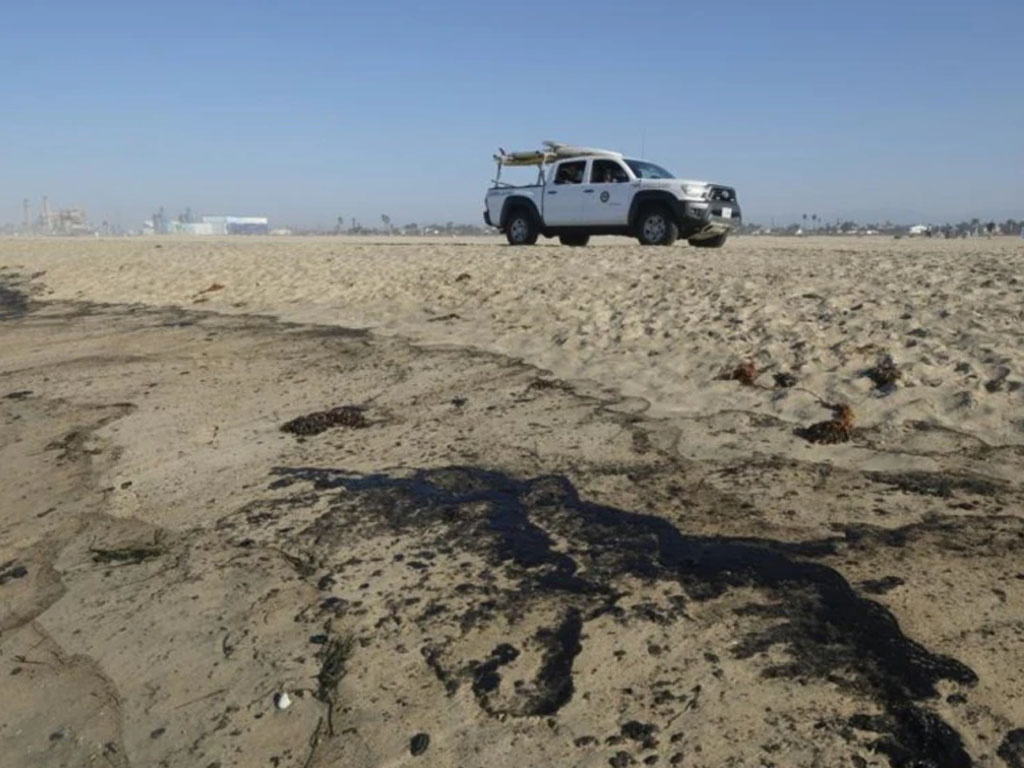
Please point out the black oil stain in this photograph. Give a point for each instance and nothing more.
(938, 484)
(486, 676)
(880, 586)
(830, 632)
(562, 645)
(13, 303)
(1011, 750)
(350, 416)
(912, 737)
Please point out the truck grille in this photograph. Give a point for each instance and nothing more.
(725, 194)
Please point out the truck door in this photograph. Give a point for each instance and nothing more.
(563, 196)
(606, 198)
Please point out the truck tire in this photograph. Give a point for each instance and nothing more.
(521, 228)
(655, 226)
(574, 240)
(710, 242)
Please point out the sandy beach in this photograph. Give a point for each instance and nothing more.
(550, 506)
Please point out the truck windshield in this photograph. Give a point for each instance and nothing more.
(645, 170)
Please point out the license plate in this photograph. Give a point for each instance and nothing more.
(727, 213)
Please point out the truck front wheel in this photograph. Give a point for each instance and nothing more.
(656, 227)
(521, 229)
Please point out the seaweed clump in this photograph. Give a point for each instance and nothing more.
(745, 373)
(333, 658)
(838, 429)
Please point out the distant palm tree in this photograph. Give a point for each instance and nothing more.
(387, 220)
(805, 221)
(340, 225)
(814, 218)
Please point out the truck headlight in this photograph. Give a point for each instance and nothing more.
(695, 190)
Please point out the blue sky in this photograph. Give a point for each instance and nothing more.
(307, 110)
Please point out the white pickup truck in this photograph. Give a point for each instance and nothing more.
(582, 191)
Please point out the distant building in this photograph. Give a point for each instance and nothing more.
(197, 228)
(238, 225)
(919, 229)
(187, 224)
(65, 221)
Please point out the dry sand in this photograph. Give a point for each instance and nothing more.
(552, 534)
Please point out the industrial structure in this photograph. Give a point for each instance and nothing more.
(64, 221)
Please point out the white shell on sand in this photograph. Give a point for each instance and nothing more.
(282, 700)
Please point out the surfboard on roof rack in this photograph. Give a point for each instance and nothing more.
(554, 150)
(522, 158)
(568, 150)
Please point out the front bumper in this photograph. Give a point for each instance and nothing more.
(708, 218)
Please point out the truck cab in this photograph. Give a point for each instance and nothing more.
(583, 192)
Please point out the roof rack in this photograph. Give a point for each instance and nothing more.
(554, 150)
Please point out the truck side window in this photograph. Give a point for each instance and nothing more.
(607, 172)
(570, 173)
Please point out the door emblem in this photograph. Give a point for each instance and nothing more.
(605, 196)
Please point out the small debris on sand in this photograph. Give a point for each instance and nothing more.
(282, 700)
(418, 744)
(17, 572)
(997, 382)
(885, 374)
(547, 384)
(350, 416)
(784, 380)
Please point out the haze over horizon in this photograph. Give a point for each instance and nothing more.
(317, 111)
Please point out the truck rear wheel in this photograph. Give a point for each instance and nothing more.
(656, 227)
(710, 242)
(574, 240)
(521, 229)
